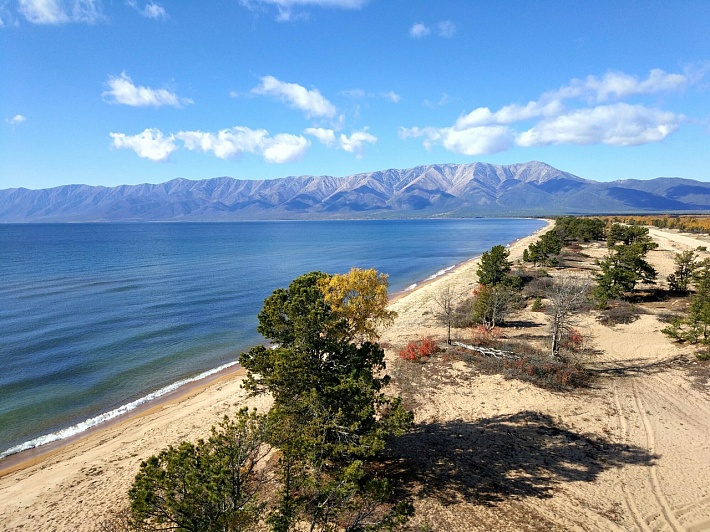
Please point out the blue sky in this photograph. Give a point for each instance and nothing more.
(109, 92)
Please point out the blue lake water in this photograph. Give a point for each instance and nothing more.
(97, 318)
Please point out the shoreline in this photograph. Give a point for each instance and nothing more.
(27, 458)
(451, 270)
(543, 451)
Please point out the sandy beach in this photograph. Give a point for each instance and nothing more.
(629, 453)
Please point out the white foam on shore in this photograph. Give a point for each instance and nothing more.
(440, 273)
(112, 414)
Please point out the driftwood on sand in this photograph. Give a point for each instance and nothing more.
(488, 351)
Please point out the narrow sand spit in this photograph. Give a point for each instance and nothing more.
(631, 453)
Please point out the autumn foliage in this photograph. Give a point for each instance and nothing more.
(360, 297)
(419, 349)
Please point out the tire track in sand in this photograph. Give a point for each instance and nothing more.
(623, 436)
(666, 509)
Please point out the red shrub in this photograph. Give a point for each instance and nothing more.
(419, 349)
(484, 336)
(573, 340)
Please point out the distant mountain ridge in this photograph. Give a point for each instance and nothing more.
(477, 189)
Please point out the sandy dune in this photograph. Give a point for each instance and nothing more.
(631, 453)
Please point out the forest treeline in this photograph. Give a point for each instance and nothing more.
(688, 223)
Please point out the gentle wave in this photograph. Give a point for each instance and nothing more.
(433, 276)
(440, 273)
(112, 414)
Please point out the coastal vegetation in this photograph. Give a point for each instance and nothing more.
(693, 327)
(315, 458)
(625, 263)
(567, 296)
(329, 423)
(687, 223)
(208, 485)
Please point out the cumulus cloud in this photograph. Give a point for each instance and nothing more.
(234, 142)
(60, 11)
(151, 144)
(229, 143)
(17, 119)
(285, 148)
(226, 143)
(123, 91)
(509, 114)
(620, 124)
(618, 85)
(326, 136)
(479, 140)
(287, 9)
(311, 102)
(419, 30)
(570, 114)
(354, 143)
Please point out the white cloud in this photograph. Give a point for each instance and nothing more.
(620, 124)
(287, 8)
(445, 98)
(151, 144)
(509, 114)
(234, 142)
(226, 143)
(151, 10)
(419, 30)
(285, 148)
(447, 29)
(17, 119)
(355, 143)
(479, 140)
(618, 85)
(60, 11)
(359, 94)
(566, 116)
(326, 136)
(311, 102)
(155, 12)
(392, 96)
(123, 91)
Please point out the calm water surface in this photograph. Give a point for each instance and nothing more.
(97, 318)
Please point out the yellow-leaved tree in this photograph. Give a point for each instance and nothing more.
(360, 297)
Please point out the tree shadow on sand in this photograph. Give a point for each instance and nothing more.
(526, 454)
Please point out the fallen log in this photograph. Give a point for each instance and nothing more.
(488, 351)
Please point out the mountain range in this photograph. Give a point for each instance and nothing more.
(451, 190)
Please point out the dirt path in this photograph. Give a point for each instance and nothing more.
(659, 410)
